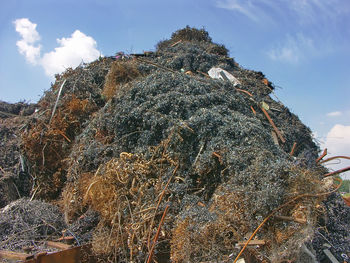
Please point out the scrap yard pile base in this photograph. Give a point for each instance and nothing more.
(150, 159)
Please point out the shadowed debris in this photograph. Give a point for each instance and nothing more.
(29, 223)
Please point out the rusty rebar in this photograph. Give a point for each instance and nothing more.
(157, 234)
(273, 125)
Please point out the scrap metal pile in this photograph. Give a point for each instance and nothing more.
(151, 159)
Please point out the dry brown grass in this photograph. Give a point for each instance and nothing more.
(47, 145)
(121, 72)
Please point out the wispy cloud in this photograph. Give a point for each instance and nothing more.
(312, 11)
(334, 114)
(27, 45)
(313, 27)
(246, 8)
(70, 53)
(292, 49)
(303, 11)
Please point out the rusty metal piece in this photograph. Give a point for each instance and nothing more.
(6, 254)
(322, 155)
(335, 157)
(58, 245)
(72, 255)
(254, 242)
(347, 200)
(218, 156)
(273, 125)
(174, 44)
(293, 149)
(201, 204)
(157, 235)
(338, 171)
(39, 256)
(244, 91)
(204, 74)
(251, 107)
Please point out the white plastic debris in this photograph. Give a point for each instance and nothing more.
(265, 105)
(219, 73)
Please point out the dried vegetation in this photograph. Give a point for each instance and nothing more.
(121, 72)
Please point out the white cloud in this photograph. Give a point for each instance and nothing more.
(338, 140)
(338, 143)
(293, 49)
(27, 45)
(70, 53)
(27, 30)
(334, 114)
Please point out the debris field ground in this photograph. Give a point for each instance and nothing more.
(149, 159)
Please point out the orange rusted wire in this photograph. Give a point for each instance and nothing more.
(338, 171)
(251, 107)
(293, 149)
(160, 199)
(157, 234)
(279, 208)
(336, 157)
(64, 136)
(218, 156)
(322, 155)
(247, 92)
(273, 125)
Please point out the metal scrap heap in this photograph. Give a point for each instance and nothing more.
(160, 161)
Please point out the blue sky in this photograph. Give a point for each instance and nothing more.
(302, 46)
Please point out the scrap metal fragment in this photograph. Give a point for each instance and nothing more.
(329, 254)
(72, 255)
(275, 138)
(273, 125)
(293, 149)
(322, 155)
(255, 242)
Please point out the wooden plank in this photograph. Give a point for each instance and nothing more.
(6, 254)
